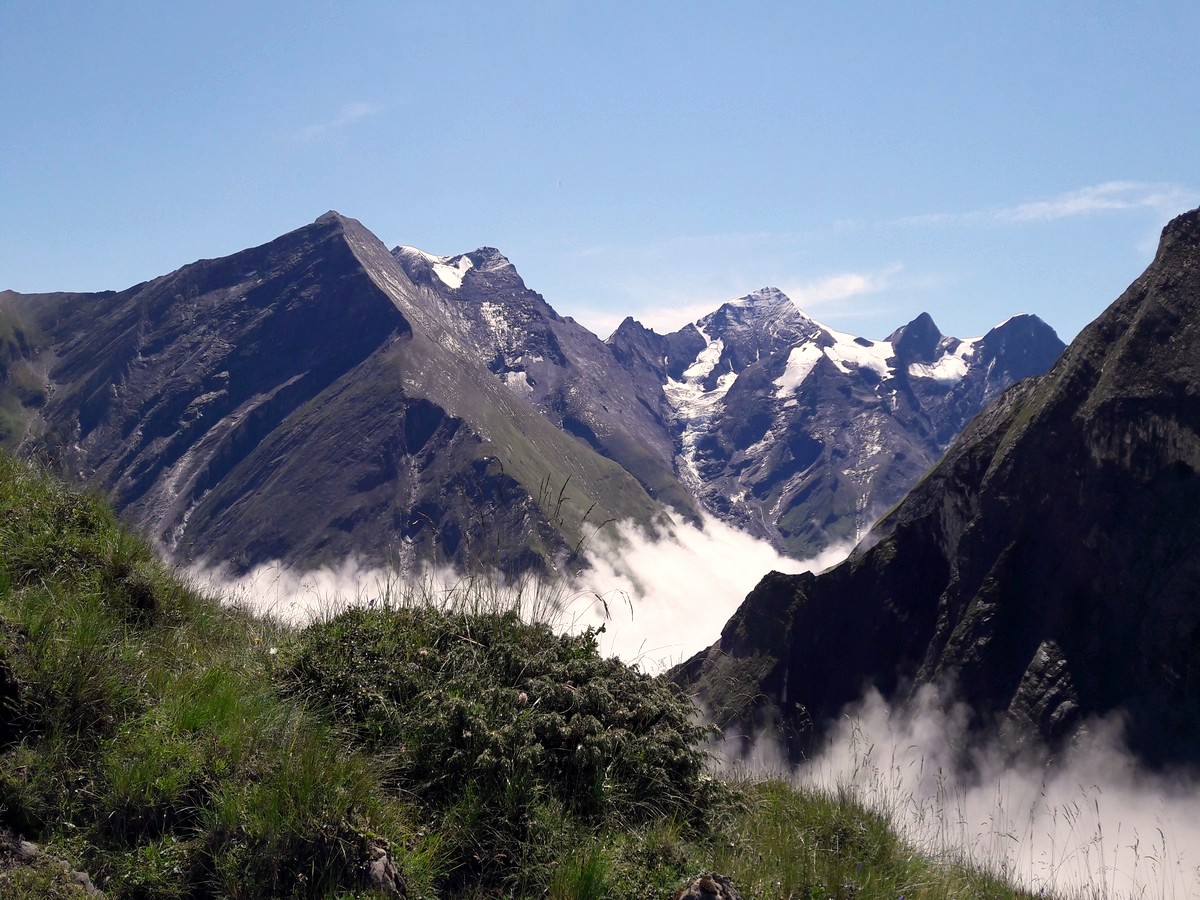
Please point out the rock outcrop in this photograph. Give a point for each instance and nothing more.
(711, 886)
(1046, 568)
(305, 401)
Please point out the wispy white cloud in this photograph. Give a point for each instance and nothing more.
(825, 294)
(832, 291)
(1110, 196)
(348, 114)
(1164, 199)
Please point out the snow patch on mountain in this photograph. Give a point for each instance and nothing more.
(849, 352)
(452, 275)
(449, 269)
(706, 360)
(696, 409)
(950, 368)
(801, 361)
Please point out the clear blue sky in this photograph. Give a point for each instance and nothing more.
(874, 160)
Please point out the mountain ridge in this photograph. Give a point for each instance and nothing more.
(416, 395)
(1043, 571)
(233, 392)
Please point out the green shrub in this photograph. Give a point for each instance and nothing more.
(512, 737)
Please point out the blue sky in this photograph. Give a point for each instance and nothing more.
(872, 159)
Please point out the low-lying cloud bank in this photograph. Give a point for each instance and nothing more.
(658, 601)
(1092, 823)
(662, 601)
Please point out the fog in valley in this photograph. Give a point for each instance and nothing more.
(1091, 820)
(1092, 823)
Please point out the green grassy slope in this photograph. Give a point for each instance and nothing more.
(174, 747)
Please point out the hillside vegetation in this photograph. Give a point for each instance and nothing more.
(172, 746)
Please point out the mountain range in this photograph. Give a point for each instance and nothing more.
(1045, 572)
(319, 397)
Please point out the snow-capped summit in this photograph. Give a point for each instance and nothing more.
(487, 262)
(439, 376)
(767, 418)
(803, 434)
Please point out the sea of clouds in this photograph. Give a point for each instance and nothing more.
(1093, 824)
(658, 600)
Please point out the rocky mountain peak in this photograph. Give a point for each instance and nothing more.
(485, 269)
(1046, 567)
(918, 341)
(764, 296)
(1018, 346)
(487, 259)
(744, 411)
(767, 309)
(1182, 231)
(743, 331)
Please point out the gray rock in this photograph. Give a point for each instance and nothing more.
(710, 886)
(382, 874)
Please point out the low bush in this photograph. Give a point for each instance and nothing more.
(514, 740)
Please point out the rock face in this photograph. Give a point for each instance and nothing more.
(558, 366)
(755, 413)
(712, 886)
(1046, 568)
(305, 401)
(318, 397)
(803, 435)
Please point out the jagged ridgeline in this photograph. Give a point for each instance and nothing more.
(318, 397)
(1046, 570)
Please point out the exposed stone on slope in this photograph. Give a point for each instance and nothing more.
(711, 886)
(306, 401)
(1046, 567)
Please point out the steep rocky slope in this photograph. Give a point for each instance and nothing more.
(318, 397)
(756, 413)
(1045, 572)
(305, 401)
(555, 364)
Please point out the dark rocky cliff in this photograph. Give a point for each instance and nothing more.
(1047, 570)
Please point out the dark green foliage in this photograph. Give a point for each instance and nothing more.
(510, 736)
